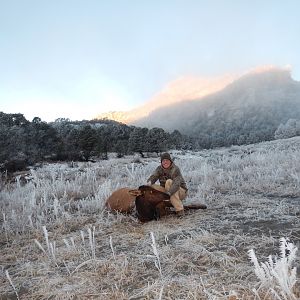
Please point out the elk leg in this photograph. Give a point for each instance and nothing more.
(195, 206)
(160, 210)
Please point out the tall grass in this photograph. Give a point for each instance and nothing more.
(278, 275)
(56, 190)
(203, 256)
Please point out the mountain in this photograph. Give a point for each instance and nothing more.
(248, 110)
(223, 111)
(182, 89)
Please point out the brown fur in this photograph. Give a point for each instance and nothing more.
(150, 204)
(121, 200)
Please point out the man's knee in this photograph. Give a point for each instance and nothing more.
(168, 184)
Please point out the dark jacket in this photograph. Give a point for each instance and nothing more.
(163, 175)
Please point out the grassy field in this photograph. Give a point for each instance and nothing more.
(58, 242)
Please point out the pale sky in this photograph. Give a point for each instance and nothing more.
(76, 59)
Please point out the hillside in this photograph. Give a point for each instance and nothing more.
(182, 89)
(58, 242)
(248, 110)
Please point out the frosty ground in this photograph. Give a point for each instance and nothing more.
(59, 242)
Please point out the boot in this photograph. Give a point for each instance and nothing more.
(180, 213)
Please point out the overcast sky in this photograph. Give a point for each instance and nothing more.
(75, 59)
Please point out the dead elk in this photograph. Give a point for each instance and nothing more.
(150, 203)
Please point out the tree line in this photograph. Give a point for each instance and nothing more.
(249, 125)
(23, 142)
(65, 140)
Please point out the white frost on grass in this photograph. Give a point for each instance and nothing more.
(203, 256)
(278, 274)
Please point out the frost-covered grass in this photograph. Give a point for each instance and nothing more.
(57, 241)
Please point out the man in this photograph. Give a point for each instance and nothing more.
(171, 182)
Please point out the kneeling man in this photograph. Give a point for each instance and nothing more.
(171, 182)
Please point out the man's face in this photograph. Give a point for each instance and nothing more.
(166, 163)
